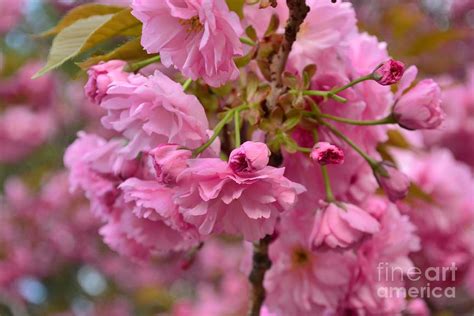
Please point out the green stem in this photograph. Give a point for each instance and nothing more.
(327, 184)
(217, 130)
(372, 162)
(303, 149)
(351, 84)
(325, 94)
(139, 65)
(187, 83)
(237, 128)
(248, 41)
(386, 120)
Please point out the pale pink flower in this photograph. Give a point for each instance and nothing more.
(383, 262)
(198, 37)
(100, 78)
(341, 225)
(153, 205)
(389, 72)
(419, 108)
(325, 153)
(154, 110)
(96, 168)
(446, 234)
(216, 199)
(303, 282)
(393, 182)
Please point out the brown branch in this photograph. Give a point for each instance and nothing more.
(298, 11)
(260, 265)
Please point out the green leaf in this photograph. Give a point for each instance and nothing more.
(131, 50)
(79, 13)
(396, 139)
(86, 34)
(235, 5)
(251, 33)
(273, 25)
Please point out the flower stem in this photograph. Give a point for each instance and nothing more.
(187, 83)
(325, 94)
(386, 120)
(237, 128)
(247, 41)
(217, 130)
(351, 84)
(372, 162)
(327, 184)
(139, 65)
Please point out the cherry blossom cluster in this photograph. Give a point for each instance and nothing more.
(239, 128)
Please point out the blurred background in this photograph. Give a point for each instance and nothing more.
(52, 259)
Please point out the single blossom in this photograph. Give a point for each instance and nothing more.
(100, 78)
(154, 110)
(420, 108)
(325, 153)
(216, 197)
(341, 225)
(389, 72)
(393, 182)
(198, 37)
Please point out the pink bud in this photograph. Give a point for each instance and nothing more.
(393, 182)
(251, 156)
(420, 107)
(101, 76)
(389, 72)
(326, 154)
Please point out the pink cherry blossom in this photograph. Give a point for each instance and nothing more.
(302, 281)
(389, 72)
(216, 199)
(11, 14)
(325, 153)
(198, 37)
(341, 225)
(154, 110)
(420, 107)
(100, 78)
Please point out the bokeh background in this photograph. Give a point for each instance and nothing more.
(52, 259)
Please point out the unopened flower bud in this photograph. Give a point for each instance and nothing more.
(251, 156)
(101, 76)
(327, 154)
(389, 72)
(392, 181)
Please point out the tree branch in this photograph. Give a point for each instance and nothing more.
(260, 265)
(298, 11)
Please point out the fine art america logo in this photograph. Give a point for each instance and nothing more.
(394, 279)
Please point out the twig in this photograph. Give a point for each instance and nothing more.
(260, 265)
(298, 11)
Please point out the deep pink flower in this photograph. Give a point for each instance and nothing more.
(341, 225)
(393, 182)
(251, 156)
(325, 153)
(419, 108)
(389, 72)
(216, 199)
(154, 110)
(198, 37)
(100, 78)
